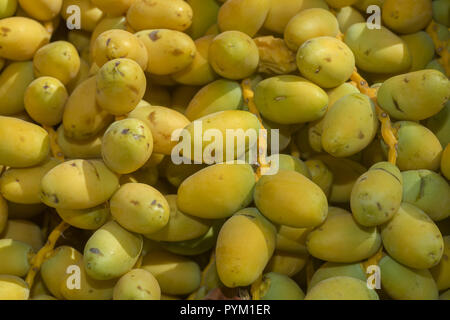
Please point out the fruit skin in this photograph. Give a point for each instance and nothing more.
(162, 122)
(359, 112)
(138, 284)
(291, 199)
(45, 99)
(280, 12)
(326, 61)
(204, 16)
(286, 263)
(377, 50)
(90, 14)
(13, 288)
(180, 227)
(441, 12)
(140, 208)
(87, 219)
(333, 269)
(440, 125)
(421, 47)
(169, 51)
(341, 239)
(418, 148)
(244, 246)
(175, 15)
(217, 191)
(403, 283)
(7, 8)
(72, 149)
(309, 24)
(78, 184)
(23, 38)
(127, 145)
(412, 238)
(377, 195)
(83, 119)
(428, 191)
(233, 15)
(290, 100)
(16, 257)
(341, 3)
(24, 231)
(277, 286)
(403, 16)
(288, 162)
(113, 7)
(348, 16)
(116, 43)
(445, 162)
(175, 274)
(414, 96)
(111, 252)
(441, 272)
(320, 175)
(24, 185)
(22, 144)
(14, 81)
(341, 288)
(233, 55)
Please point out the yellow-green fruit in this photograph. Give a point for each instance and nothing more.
(233, 55)
(289, 198)
(162, 122)
(440, 125)
(199, 72)
(403, 283)
(414, 96)
(181, 227)
(22, 144)
(127, 145)
(83, 118)
(412, 238)
(57, 59)
(78, 184)
(280, 12)
(82, 75)
(63, 271)
(14, 81)
(421, 47)
(24, 185)
(45, 99)
(204, 16)
(111, 252)
(290, 100)
(445, 162)
(87, 219)
(377, 194)
(418, 148)
(217, 191)
(219, 95)
(234, 133)
(24, 231)
(113, 7)
(117, 43)
(362, 124)
(287, 162)
(169, 51)
(326, 61)
(245, 244)
(21, 37)
(176, 275)
(348, 16)
(378, 50)
(73, 149)
(140, 208)
(151, 14)
(309, 24)
(287, 263)
(121, 85)
(3, 213)
(333, 269)
(15, 256)
(341, 3)
(89, 14)
(341, 288)
(138, 284)
(435, 65)
(277, 286)
(43, 10)
(320, 175)
(106, 24)
(441, 272)
(341, 239)
(234, 15)
(404, 16)
(7, 8)
(428, 191)
(441, 12)
(362, 5)
(13, 288)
